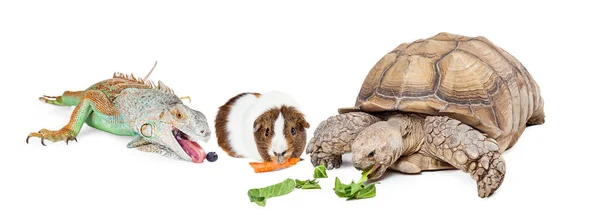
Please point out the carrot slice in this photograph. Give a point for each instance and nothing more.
(261, 167)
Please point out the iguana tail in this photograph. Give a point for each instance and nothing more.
(148, 75)
(72, 98)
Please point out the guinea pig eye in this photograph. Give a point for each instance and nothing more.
(267, 132)
(293, 131)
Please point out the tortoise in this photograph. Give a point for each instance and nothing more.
(445, 102)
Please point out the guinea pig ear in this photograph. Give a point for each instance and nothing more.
(256, 126)
(304, 124)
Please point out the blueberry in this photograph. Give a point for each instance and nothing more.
(212, 157)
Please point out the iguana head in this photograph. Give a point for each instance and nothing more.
(163, 123)
(177, 130)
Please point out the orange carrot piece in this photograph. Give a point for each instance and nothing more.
(261, 167)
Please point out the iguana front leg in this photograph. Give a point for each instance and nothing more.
(466, 149)
(333, 137)
(91, 101)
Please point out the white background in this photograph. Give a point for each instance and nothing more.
(319, 53)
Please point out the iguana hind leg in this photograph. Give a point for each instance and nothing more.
(467, 149)
(91, 101)
(333, 137)
(68, 98)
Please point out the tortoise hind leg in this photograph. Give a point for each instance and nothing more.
(538, 118)
(467, 149)
(333, 137)
(418, 162)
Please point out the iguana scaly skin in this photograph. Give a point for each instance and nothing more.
(129, 106)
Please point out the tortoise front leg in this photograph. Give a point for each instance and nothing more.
(333, 137)
(466, 149)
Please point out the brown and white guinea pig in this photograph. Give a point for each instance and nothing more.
(264, 127)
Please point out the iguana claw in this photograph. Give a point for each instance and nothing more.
(186, 97)
(75, 139)
(53, 136)
(29, 136)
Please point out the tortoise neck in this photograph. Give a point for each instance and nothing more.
(412, 131)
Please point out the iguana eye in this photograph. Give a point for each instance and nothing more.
(179, 115)
(146, 130)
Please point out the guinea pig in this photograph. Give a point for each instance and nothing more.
(264, 127)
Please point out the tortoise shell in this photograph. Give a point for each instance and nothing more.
(468, 79)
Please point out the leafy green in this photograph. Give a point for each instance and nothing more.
(260, 195)
(355, 190)
(307, 184)
(366, 192)
(340, 188)
(320, 172)
(352, 191)
(364, 176)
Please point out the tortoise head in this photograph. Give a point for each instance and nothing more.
(377, 146)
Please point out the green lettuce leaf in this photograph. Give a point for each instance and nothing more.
(340, 188)
(355, 190)
(366, 192)
(260, 195)
(320, 172)
(307, 184)
(310, 186)
(364, 176)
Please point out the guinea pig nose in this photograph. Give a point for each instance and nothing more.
(202, 131)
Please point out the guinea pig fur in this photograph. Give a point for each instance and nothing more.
(264, 127)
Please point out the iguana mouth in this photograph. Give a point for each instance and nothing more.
(191, 148)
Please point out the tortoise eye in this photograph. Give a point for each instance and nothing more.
(371, 154)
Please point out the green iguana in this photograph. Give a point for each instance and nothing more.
(130, 106)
